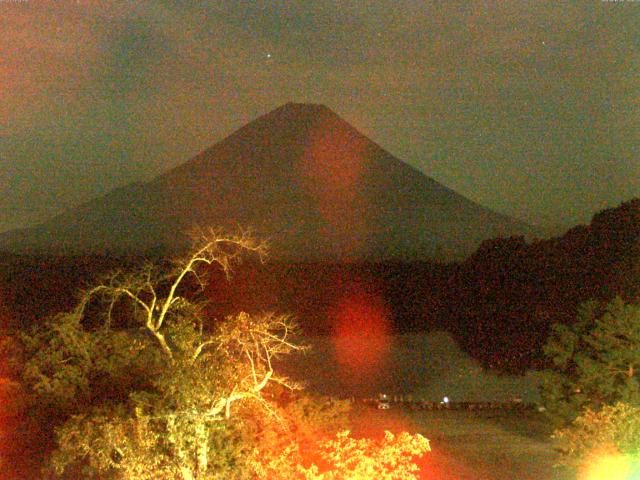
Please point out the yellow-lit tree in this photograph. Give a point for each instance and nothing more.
(152, 389)
(140, 384)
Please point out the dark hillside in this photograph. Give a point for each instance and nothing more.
(498, 303)
(502, 300)
(299, 176)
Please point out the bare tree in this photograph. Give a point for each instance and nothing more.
(194, 372)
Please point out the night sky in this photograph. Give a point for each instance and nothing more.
(529, 108)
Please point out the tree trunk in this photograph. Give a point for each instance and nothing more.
(202, 453)
(187, 474)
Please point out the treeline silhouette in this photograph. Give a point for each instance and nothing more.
(499, 303)
(503, 299)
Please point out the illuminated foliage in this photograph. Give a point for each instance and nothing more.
(347, 458)
(605, 441)
(595, 360)
(304, 419)
(139, 385)
(152, 390)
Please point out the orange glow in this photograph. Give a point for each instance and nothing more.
(332, 169)
(360, 334)
(437, 465)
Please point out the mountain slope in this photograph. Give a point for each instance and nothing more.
(300, 176)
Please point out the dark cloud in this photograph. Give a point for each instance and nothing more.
(528, 108)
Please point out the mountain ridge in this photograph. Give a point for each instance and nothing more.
(300, 176)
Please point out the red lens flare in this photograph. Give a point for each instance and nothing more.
(361, 333)
(332, 171)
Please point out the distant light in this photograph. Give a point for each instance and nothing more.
(611, 467)
(268, 55)
(445, 399)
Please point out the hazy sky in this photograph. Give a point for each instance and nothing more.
(530, 108)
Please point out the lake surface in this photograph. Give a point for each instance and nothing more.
(425, 365)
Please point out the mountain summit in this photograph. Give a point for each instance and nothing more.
(299, 176)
